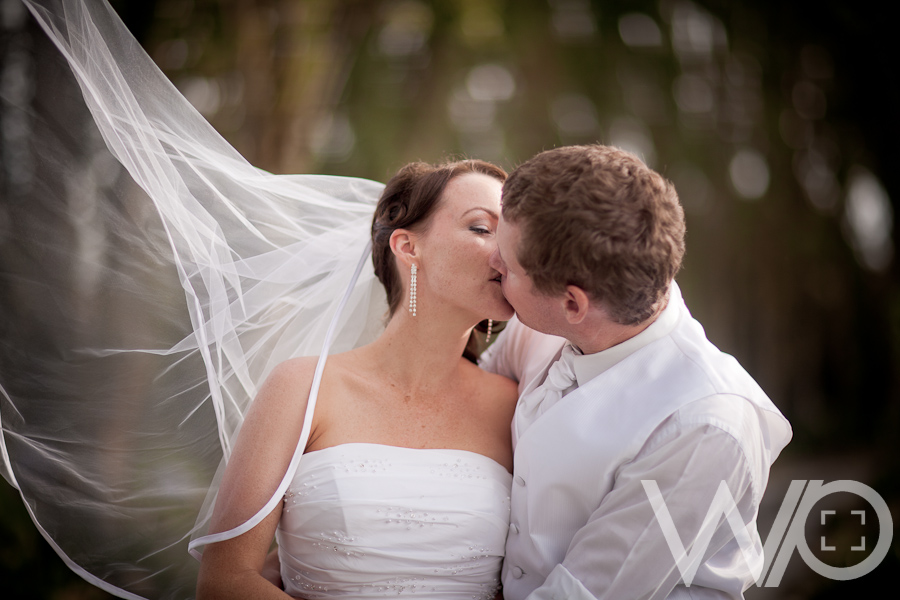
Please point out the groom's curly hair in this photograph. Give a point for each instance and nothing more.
(407, 202)
(597, 217)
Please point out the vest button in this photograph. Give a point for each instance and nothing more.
(517, 572)
(520, 481)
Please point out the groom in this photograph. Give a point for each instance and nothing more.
(622, 397)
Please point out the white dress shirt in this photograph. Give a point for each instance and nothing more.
(665, 405)
(559, 381)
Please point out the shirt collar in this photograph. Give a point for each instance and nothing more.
(589, 366)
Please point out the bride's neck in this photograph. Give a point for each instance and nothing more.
(421, 349)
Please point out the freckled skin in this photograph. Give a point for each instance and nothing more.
(454, 266)
(414, 389)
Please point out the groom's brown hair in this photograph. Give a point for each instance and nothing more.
(597, 217)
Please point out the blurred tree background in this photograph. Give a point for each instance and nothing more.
(776, 121)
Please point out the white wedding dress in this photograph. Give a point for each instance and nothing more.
(373, 521)
(112, 436)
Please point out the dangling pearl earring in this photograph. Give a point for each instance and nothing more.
(487, 338)
(412, 289)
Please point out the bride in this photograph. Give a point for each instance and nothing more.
(396, 482)
(404, 485)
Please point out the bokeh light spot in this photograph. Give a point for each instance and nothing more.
(332, 137)
(406, 30)
(696, 33)
(572, 20)
(490, 82)
(202, 93)
(749, 174)
(870, 218)
(633, 135)
(639, 31)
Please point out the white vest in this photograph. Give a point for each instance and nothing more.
(566, 461)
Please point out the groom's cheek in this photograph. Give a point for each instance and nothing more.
(505, 288)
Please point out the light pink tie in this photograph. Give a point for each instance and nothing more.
(560, 377)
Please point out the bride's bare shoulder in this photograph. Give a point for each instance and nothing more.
(301, 367)
(273, 422)
(296, 374)
(292, 371)
(287, 385)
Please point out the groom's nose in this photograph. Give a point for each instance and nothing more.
(496, 263)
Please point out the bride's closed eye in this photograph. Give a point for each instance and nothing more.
(480, 229)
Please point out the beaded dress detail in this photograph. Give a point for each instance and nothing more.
(369, 521)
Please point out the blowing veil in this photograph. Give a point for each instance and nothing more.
(186, 275)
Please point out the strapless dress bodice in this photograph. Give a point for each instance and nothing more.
(369, 521)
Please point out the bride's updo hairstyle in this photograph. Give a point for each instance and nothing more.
(408, 200)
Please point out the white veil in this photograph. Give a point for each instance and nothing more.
(113, 438)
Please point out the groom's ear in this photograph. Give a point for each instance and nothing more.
(576, 304)
(403, 245)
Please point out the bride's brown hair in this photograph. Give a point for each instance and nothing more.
(408, 200)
